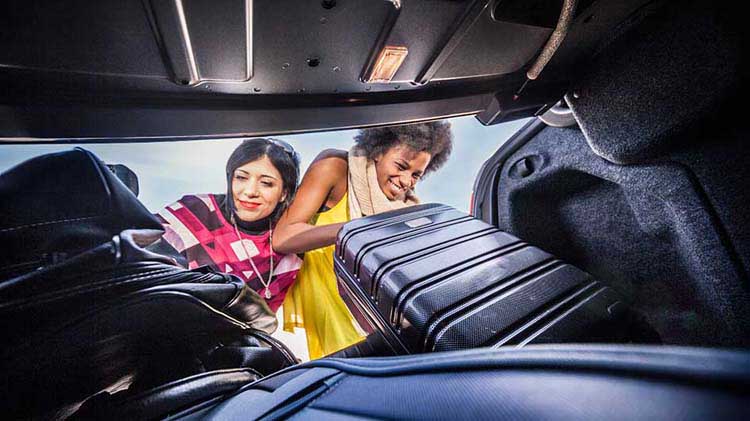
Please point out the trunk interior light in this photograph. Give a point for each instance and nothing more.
(388, 62)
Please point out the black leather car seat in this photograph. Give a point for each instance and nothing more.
(536, 382)
(87, 312)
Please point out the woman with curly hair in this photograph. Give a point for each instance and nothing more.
(377, 175)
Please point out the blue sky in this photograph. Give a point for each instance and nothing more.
(169, 170)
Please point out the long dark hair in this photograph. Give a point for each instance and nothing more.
(282, 156)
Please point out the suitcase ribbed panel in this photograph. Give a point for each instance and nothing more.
(465, 273)
(357, 227)
(383, 270)
(432, 278)
(362, 307)
(386, 234)
(595, 315)
(405, 242)
(465, 323)
(401, 253)
(529, 327)
(354, 226)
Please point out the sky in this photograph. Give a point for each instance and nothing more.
(169, 170)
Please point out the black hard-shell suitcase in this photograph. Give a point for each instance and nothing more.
(432, 278)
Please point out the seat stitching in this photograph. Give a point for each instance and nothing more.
(47, 223)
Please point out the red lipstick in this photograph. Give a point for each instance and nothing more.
(248, 205)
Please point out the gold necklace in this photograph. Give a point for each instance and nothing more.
(266, 285)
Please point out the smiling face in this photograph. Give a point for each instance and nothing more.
(257, 188)
(399, 169)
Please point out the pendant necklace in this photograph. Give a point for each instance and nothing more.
(266, 285)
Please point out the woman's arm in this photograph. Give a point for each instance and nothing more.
(294, 233)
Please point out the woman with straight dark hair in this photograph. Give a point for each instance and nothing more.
(233, 232)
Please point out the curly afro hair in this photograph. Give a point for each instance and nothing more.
(434, 138)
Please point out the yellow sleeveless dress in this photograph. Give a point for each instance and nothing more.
(313, 302)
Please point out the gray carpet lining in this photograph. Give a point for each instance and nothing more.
(651, 231)
(659, 80)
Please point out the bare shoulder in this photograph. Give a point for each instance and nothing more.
(333, 155)
(327, 176)
(332, 161)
